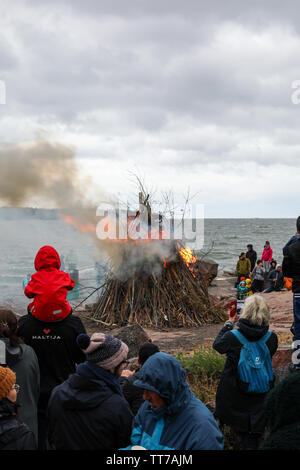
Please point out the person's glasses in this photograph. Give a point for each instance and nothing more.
(16, 387)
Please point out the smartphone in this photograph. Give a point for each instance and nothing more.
(240, 307)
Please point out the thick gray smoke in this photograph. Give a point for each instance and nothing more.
(43, 170)
(48, 172)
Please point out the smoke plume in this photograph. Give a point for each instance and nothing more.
(43, 170)
(47, 172)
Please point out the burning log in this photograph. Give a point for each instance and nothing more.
(171, 296)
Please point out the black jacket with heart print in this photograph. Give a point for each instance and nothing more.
(55, 346)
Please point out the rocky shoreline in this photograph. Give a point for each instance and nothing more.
(173, 340)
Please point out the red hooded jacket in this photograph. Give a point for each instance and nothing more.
(49, 287)
(267, 254)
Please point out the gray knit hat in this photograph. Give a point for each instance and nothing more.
(105, 350)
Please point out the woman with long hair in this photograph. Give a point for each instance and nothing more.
(236, 407)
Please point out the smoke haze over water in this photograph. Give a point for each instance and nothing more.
(46, 173)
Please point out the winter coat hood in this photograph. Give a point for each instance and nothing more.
(13, 353)
(47, 258)
(282, 406)
(250, 331)
(48, 287)
(164, 375)
(282, 409)
(80, 393)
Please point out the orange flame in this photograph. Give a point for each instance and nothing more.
(83, 228)
(188, 257)
(154, 235)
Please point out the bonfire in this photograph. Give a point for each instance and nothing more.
(158, 283)
(170, 295)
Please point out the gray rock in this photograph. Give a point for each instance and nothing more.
(134, 336)
(207, 267)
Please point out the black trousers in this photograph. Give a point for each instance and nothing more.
(257, 286)
(43, 422)
(248, 440)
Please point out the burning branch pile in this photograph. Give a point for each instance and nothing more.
(158, 294)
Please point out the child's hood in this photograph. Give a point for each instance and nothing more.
(47, 258)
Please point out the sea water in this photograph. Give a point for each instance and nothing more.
(23, 232)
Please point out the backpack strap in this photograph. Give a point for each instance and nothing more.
(240, 337)
(265, 338)
(244, 340)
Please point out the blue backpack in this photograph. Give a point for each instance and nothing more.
(255, 363)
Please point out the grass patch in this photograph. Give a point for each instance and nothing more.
(203, 363)
(203, 369)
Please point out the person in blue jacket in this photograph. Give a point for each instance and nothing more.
(242, 290)
(172, 417)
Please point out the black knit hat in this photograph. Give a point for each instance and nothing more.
(146, 350)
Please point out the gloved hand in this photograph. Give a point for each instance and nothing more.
(229, 324)
(25, 282)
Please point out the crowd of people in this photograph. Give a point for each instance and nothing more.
(253, 274)
(61, 389)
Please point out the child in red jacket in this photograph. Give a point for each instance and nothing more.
(49, 287)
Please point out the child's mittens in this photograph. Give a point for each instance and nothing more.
(25, 282)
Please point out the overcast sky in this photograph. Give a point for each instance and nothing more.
(187, 93)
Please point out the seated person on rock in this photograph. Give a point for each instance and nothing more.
(276, 278)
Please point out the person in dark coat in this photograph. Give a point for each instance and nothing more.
(276, 279)
(14, 435)
(291, 269)
(133, 394)
(236, 408)
(58, 355)
(251, 255)
(88, 411)
(282, 409)
(22, 360)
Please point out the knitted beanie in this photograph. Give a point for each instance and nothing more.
(105, 350)
(146, 350)
(7, 381)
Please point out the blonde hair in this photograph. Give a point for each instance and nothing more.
(256, 310)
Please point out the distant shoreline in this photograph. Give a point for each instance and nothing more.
(50, 211)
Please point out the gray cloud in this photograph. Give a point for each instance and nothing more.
(191, 84)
